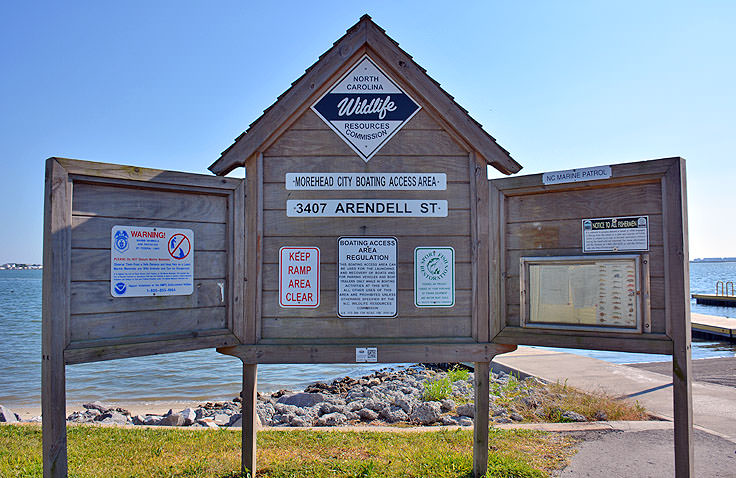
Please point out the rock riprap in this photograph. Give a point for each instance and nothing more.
(416, 395)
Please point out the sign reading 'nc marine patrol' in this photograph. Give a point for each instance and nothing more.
(365, 108)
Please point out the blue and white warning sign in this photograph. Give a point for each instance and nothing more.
(151, 261)
(365, 108)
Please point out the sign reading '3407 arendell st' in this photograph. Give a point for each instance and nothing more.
(365, 108)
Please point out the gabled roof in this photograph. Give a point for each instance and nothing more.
(272, 123)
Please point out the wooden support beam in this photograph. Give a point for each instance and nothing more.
(250, 399)
(677, 271)
(55, 310)
(480, 429)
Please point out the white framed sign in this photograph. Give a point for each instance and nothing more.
(616, 234)
(366, 208)
(366, 181)
(299, 277)
(367, 276)
(434, 277)
(151, 261)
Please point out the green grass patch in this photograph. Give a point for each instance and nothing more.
(437, 390)
(150, 452)
(458, 373)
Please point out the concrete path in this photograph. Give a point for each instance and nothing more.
(646, 454)
(714, 406)
(721, 371)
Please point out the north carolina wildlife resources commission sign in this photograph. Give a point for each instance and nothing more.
(365, 108)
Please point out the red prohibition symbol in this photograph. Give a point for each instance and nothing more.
(179, 246)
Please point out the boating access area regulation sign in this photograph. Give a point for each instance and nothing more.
(365, 108)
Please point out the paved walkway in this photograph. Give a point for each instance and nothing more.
(714, 406)
(721, 371)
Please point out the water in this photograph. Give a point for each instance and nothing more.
(205, 374)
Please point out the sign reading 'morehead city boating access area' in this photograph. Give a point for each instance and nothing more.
(365, 108)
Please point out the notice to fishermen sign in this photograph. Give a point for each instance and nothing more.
(616, 234)
(365, 108)
(149, 261)
(299, 277)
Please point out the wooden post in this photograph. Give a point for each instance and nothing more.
(55, 298)
(480, 430)
(678, 264)
(250, 381)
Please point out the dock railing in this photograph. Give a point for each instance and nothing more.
(722, 288)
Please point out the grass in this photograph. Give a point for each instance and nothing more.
(150, 452)
(551, 400)
(437, 390)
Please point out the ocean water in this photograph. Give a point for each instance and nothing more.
(206, 375)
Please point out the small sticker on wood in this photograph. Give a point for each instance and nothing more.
(366, 354)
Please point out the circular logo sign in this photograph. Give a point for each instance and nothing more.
(434, 266)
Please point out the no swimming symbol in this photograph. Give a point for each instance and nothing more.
(179, 246)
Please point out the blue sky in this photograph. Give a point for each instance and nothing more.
(559, 84)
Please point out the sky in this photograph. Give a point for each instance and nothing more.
(561, 85)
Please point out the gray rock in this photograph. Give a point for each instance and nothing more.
(426, 413)
(265, 412)
(222, 419)
(406, 405)
(326, 408)
(466, 410)
(172, 420)
(96, 405)
(445, 420)
(332, 419)
(516, 417)
(502, 420)
(394, 414)
(236, 418)
(302, 421)
(139, 420)
(356, 405)
(112, 418)
(152, 420)
(189, 415)
(367, 415)
(302, 400)
(207, 422)
(573, 416)
(448, 405)
(499, 411)
(465, 422)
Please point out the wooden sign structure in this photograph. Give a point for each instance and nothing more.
(366, 230)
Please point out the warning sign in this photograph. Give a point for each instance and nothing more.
(151, 261)
(616, 234)
(365, 108)
(299, 277)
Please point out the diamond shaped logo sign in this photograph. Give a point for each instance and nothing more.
(365, 108)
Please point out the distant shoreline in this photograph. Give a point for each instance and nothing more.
(715, 259)
(16, 266)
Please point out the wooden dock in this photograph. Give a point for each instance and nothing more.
(710, 299)
(714, 326)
